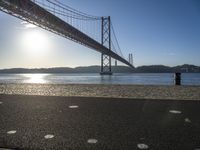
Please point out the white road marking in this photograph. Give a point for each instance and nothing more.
(11, 132)
(142, 146)
(92, 141)
(187, 120)
(175, 111)
(73, 106)
(1, 103)
(49, 136)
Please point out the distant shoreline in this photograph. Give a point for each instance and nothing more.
(116, 69)
(95, 73)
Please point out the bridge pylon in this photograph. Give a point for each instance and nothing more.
(106, 41)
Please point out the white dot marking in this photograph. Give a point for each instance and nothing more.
(187, 120)
(49, 136)
(175, 111)
(73, 106)
(11, 132)
(142, 146)
(1, 102)
(92, 141)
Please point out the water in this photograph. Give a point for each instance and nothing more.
(121, 78)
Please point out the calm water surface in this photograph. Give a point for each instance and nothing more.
(136, 78)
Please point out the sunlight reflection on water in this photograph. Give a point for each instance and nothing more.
(95, 78)
(35, 78)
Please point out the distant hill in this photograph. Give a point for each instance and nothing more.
(166, 69)
(115, 69)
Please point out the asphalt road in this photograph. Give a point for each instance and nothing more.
(75, 123)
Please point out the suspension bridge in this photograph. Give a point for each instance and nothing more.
(94, 32)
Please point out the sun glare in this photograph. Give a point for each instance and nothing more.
(35, 42)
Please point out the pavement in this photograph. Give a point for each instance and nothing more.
(76, 123)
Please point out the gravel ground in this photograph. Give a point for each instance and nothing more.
(113, 91)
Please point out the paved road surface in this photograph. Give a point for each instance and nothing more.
(41, 122)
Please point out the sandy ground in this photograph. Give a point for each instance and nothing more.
(113, 91)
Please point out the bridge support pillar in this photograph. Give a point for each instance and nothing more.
(106, 41)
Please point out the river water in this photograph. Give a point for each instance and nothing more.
(92, 78)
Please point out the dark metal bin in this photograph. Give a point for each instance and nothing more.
(177, 78)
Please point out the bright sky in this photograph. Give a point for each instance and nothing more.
(155, 31)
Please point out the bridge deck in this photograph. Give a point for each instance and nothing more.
(33, 13)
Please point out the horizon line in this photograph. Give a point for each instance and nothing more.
(93, 66)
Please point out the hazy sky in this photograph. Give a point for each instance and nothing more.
(163, 32)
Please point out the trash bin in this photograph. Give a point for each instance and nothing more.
(177, 78)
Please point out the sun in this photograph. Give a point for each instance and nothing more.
(35, 42)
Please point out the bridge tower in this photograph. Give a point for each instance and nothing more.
(106, 41)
